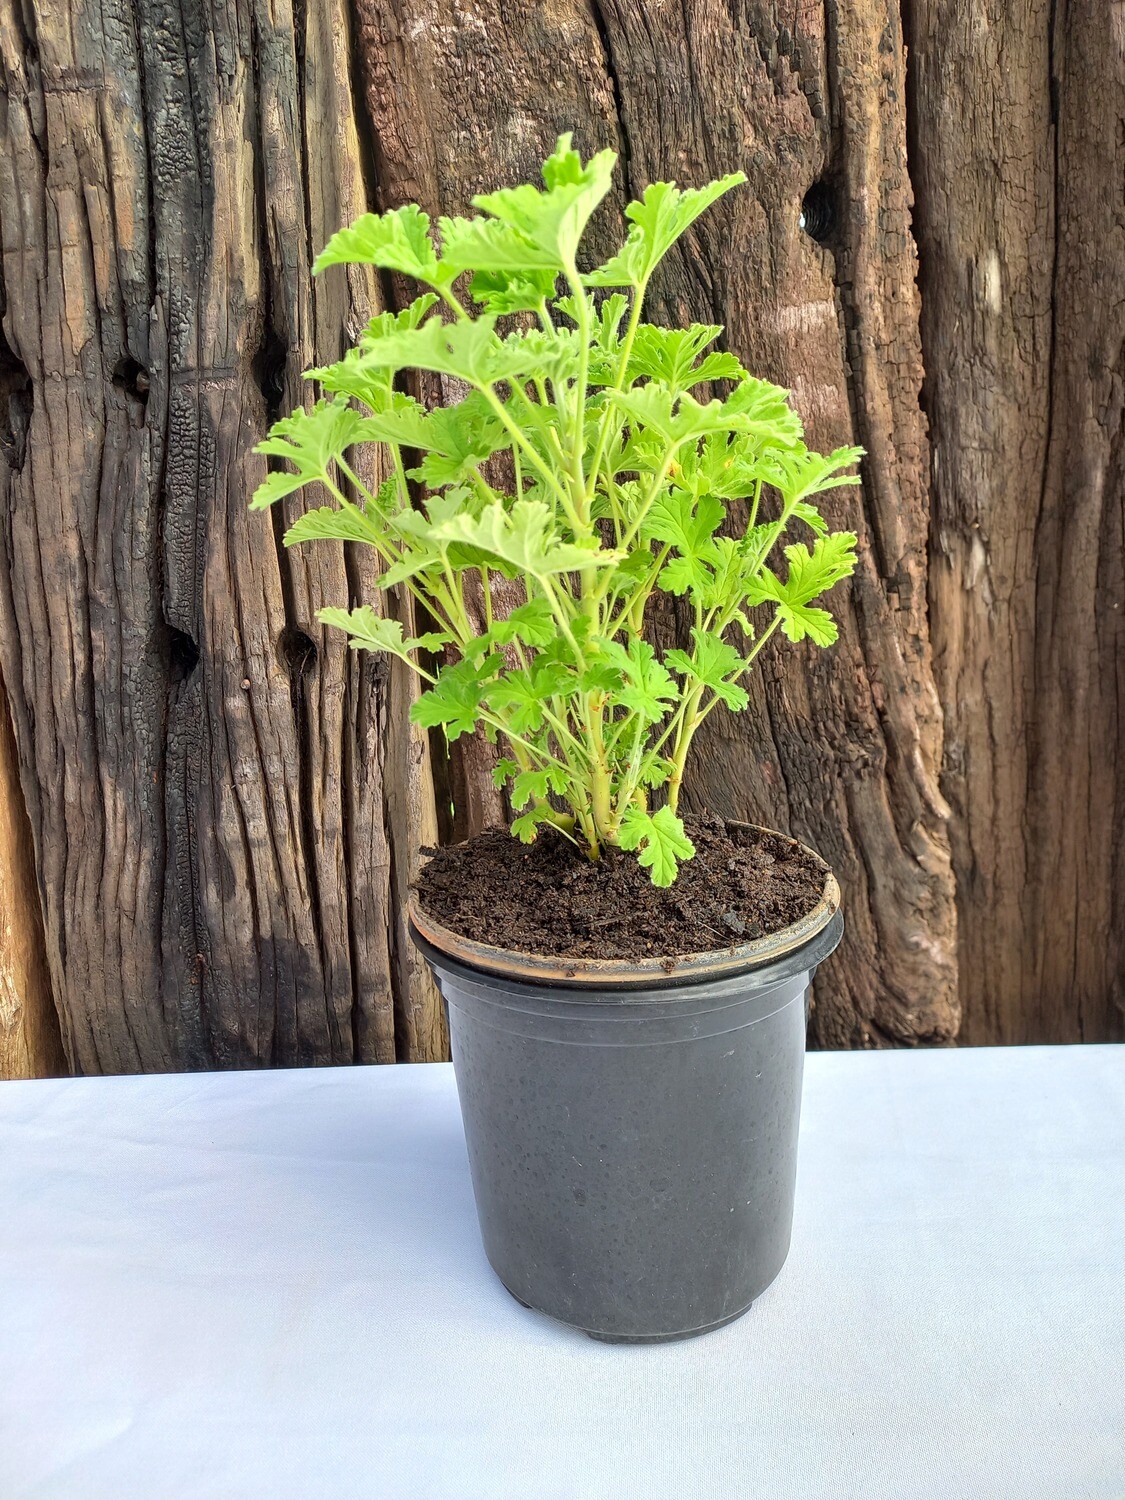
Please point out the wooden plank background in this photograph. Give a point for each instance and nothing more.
(210, 812)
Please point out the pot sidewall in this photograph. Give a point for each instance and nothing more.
(633, 1153)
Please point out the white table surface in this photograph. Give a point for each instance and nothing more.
(271, 1285)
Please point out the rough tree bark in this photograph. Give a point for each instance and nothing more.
(30, 1044)
(225, 809)
(1018, 153)
(843, 749)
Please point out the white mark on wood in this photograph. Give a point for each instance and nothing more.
(805, 317)
(990, 275)
(977, 569)
(523, 127)
(818, 399)
(921, 942)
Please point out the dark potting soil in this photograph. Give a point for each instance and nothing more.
(548, 898)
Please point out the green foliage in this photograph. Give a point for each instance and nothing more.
(595, 459)
(661, 839)
(664, 213)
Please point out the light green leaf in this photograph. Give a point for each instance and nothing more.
(348, 377)
(675, 419)
(533, 353)
(468, 349)
(472, 351)
(398, 240)
(415, 531)
(374, 386)
(383, 324)
(487, 247)
(345, 523)
(610, 316)
(528, 824)
(714, 663)
(682, 522)
(600, 677)
(459, 438)
(655, 770)
(663, 214)
(804, 510)
(371, 632)
(797, 474)
(832, 558)
(276, 485)
(661, 839)
(549, 222)
(402, 421)
(676, 519)
(801, 620)
(722, 464)
(310, 440)
(761, 409)
(669, 355)
(538, 785)
(645, 689)
(533, 623)
(731, 569)
(684, 575)
(454, 702)
(503, 771)
(503, 292)
(752, 407)
(810, 574)
(519, 696)
(525, 538)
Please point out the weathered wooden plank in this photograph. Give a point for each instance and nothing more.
(842, 749)
(30, 1044)
(1018, 153)
(224, 825)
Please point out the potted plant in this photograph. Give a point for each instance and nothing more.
(625, 986)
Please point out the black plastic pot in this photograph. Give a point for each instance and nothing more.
(632, 1130)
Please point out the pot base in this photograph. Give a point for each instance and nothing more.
(667, 1338)
(640, 1338)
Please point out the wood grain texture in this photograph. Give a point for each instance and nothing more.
(842, 749)
(226, 809)
(30, 1043)
(1018, 153)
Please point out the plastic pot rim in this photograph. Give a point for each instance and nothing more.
(767, 952)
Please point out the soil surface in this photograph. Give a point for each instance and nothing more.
(547, 898)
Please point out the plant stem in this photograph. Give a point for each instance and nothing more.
(690, 719)
(622, 366)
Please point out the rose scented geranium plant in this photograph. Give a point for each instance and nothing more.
(636, 1182)
(584, 464)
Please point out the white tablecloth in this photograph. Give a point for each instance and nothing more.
(271, 1285)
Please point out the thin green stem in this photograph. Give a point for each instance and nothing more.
(634, 606)
(622, 366)
(582, 492)
(488, 716)
(434, 602)
(691, 718)
(642, 512)
(562, 620)
(486, 589)
(489, 393)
